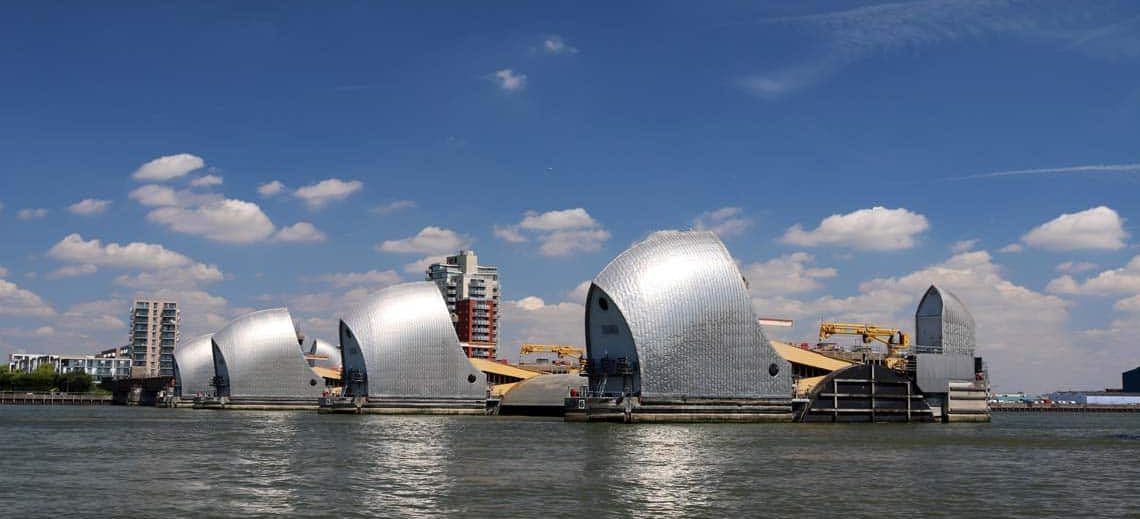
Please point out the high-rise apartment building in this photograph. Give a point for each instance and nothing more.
(154, 332)
(472, 294)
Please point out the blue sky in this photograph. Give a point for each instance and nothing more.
(997, 140)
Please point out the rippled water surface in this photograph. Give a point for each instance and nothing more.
(145, 462)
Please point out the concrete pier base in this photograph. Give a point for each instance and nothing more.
(255, 404)
(679, 410)
(402, 406)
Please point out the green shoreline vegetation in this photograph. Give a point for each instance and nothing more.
(44, 379)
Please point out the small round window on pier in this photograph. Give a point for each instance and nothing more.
(773, 369)
(603, 304)
(471, 379)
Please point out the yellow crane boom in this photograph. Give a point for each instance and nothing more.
(894, 338)
(558, 349)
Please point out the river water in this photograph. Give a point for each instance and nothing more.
(147, 462)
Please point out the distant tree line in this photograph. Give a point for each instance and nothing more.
(45, 379)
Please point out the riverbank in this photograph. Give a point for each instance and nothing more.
(1063, 408)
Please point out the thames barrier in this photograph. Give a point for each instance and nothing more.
(671, 336)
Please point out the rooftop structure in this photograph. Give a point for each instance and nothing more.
(471, 292)
(194, 367)
(258, 359)
(154, 332)
(400, 351)
(670, 320)
(942, 324)
(118, 351)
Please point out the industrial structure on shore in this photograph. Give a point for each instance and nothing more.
(671, 336)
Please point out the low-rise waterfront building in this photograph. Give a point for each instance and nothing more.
(93, 365)
(1095, 398)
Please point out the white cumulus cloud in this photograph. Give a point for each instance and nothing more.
(565, 243)
(1076, 266)
(187, 278)
(555, 44)
(89, 206)
(559, 233)
(169, 167)
(877, 228)
(31, 214)
(558, 220)
(421, 265)
(228, 221)
(430, 240)
(207, 181)
(1130, 304)
(509, 80)
(579, 293)
(16, 301)
(787, 274)
(1099, 228)
(509, 234)
(303, 232)
(71, 271)
(317, 196)
(963, 246)
(1124, 280)
(269, 189)
(74, 249)
(154, 195)
(725, 222)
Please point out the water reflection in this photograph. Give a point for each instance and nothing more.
(260, 475)
(184, 463)
(402, 465)
(666, 469)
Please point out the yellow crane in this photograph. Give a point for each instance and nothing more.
(558, 349)
(894, 338)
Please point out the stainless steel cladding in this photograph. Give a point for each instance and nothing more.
(258, 355)
(329, 350)
(934, 372)
(674, 314)
(401, 343)
(193, 366)
(943, 324)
